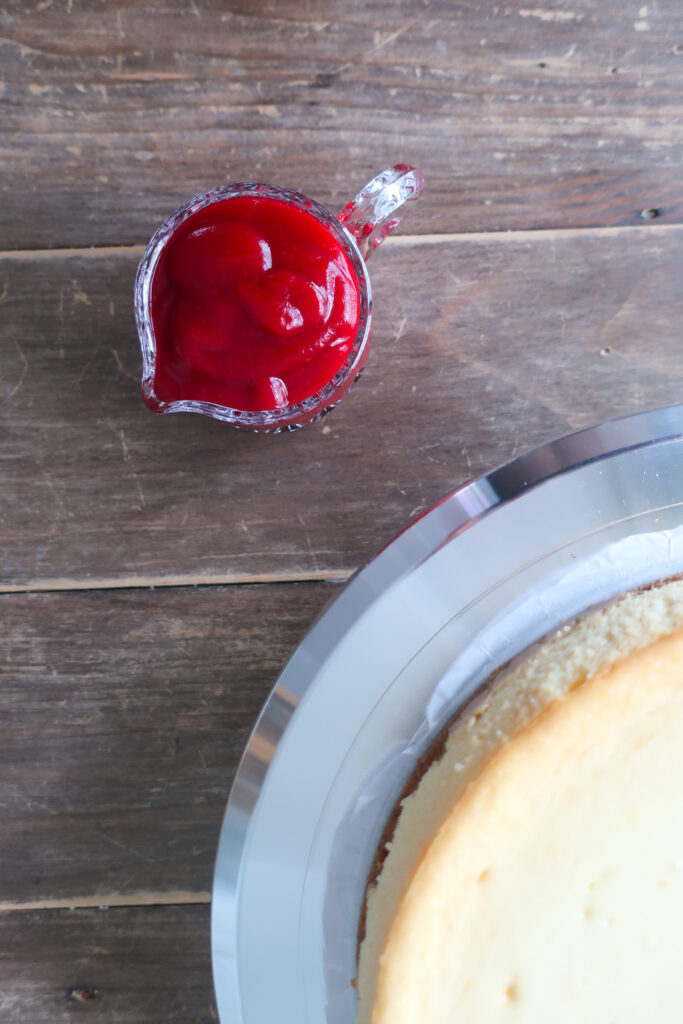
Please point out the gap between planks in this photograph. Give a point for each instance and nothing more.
(103, 901)
(523, 235)
(152, 582)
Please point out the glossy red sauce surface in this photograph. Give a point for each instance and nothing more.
(254, 305)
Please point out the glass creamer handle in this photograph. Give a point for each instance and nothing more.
(380, 206)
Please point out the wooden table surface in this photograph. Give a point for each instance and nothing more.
(156, 572)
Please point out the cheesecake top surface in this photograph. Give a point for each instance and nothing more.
(546, 845)
(554, 889)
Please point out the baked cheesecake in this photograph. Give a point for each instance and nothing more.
(534, 872)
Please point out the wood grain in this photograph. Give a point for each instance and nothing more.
(565, 113)
(483, 346)
(124, 717)
(116, 966)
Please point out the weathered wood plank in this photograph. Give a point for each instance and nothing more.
(565, 114)
(124, 717)
(117, 966)
(483, 346)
